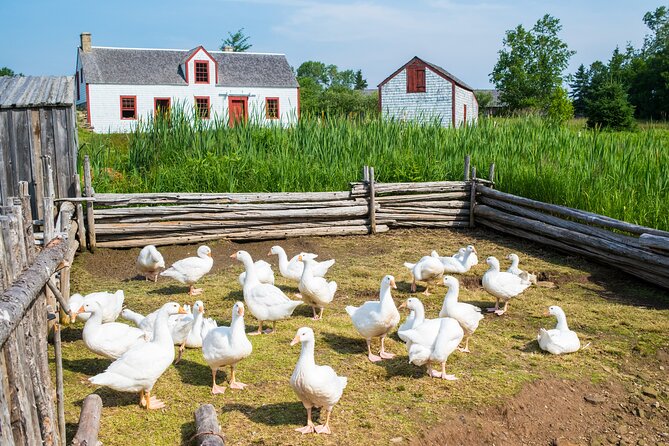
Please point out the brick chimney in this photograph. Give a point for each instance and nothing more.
(85, 42)
(228, 49)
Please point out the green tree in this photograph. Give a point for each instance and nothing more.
(531, 65)
(580, 82)
(359, 83)
(310, 92)
(237, 40)
(607, 106)
(560, 108)
(317, 71)
(484, 99)
(5, 71)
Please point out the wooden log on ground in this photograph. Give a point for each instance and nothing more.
(360, 189)
(631, 267)
(89, 422)
(655, 242)
(584, 216)
(557, 221)
(614, 249)
(207, 429)
(90, 208)
(226, 198)
(243, 235)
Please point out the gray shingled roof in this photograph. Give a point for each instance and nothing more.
(155, 67)
(36, 91)
(447, 74)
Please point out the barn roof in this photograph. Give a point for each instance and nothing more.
(134, 66)
(435, 68)
(36, 91)
(496, 100)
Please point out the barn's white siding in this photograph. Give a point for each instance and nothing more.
(435, 103)
(464, 98)
(105, 104)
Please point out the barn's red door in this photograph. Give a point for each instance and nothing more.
(237, 109)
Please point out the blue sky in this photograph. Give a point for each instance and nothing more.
(40, 37)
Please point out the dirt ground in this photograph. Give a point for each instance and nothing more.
(613, 392)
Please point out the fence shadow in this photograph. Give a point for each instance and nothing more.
(345, 344)
(194, 373)
(86, 366)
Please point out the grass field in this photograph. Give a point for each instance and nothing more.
(625, 321)
(623, 175)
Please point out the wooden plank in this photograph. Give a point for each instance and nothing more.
(424, 217)
(207, 429)
(89, 422)
(557, 221)
(472, 198)
(437, 208)
(372, 205)
(23, 139)
(468, 160)
(61, 168)
(48, 202)
(28, 236)
(60, 390)
(11, 156)
(37, 182)
(430, 224)
(243, 236)
(90, 209)
(228, 198)
(6, 437)
(491, 175)
(4, 157)
(80, 214)
(584, 216)
(655, 242)
(359, 189)
(615, 249)
(420, 198)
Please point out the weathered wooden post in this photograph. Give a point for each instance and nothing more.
(491, 175)
(468, 159)
(472, 197)
(372, 201)
(58, 357)
(207, 430)
(80, 214)
(24, 196)
(89, 422)
(88, 191)
(49, 196)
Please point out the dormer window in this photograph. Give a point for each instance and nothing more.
(201, 72)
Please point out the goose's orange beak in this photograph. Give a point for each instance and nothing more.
(182, 310)
(269, 253)
(233, 255)
(403, 305)
(546, 313)
(392, 283)
(295, 340)
(200, 309)
(240, 311)
(299, 258)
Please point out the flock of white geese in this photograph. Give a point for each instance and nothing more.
(141, 354)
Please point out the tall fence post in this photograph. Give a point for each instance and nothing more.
(472, 197)
(90, 216)
(491, 175)
(468, 159)
(81, 228)
(24, 196)
(372, 201)
(49, 196)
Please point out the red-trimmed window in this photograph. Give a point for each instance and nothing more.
(202, 107)
(416, 79)
(272, 108)
(128, 107)
(201, 72)
(161, 106)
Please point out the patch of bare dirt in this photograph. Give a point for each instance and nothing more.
(561, 412)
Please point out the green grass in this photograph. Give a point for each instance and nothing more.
(623, 175)
(625, 321)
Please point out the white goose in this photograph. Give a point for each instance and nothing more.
(263, 271)
(149, 262)
(502, 285)
(293, 268)
(560, 339)
(457, 264)
(467, 315)
(110, 303)
(316, 291)
(416, 309)
(432, 341)
(266, 302)
(191, 269)
(460, 255)
(376, 318)
(513, 269)
(407, 325)
(427, 268)
(110, 340)
(225, 346)
(315, 385)
(140, 367)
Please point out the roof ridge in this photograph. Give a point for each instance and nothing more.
(186, 50)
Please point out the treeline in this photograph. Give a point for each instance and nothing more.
(327, 91)
(634, 83)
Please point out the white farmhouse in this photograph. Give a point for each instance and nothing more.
(423, 91)
(118, 86)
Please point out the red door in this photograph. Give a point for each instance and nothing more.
(237, 109)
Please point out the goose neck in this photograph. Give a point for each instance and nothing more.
(307, 354)
(561, 322)
(419, 317)
(161, 331)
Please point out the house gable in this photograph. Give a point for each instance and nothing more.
(199, 56)
(418, 62)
